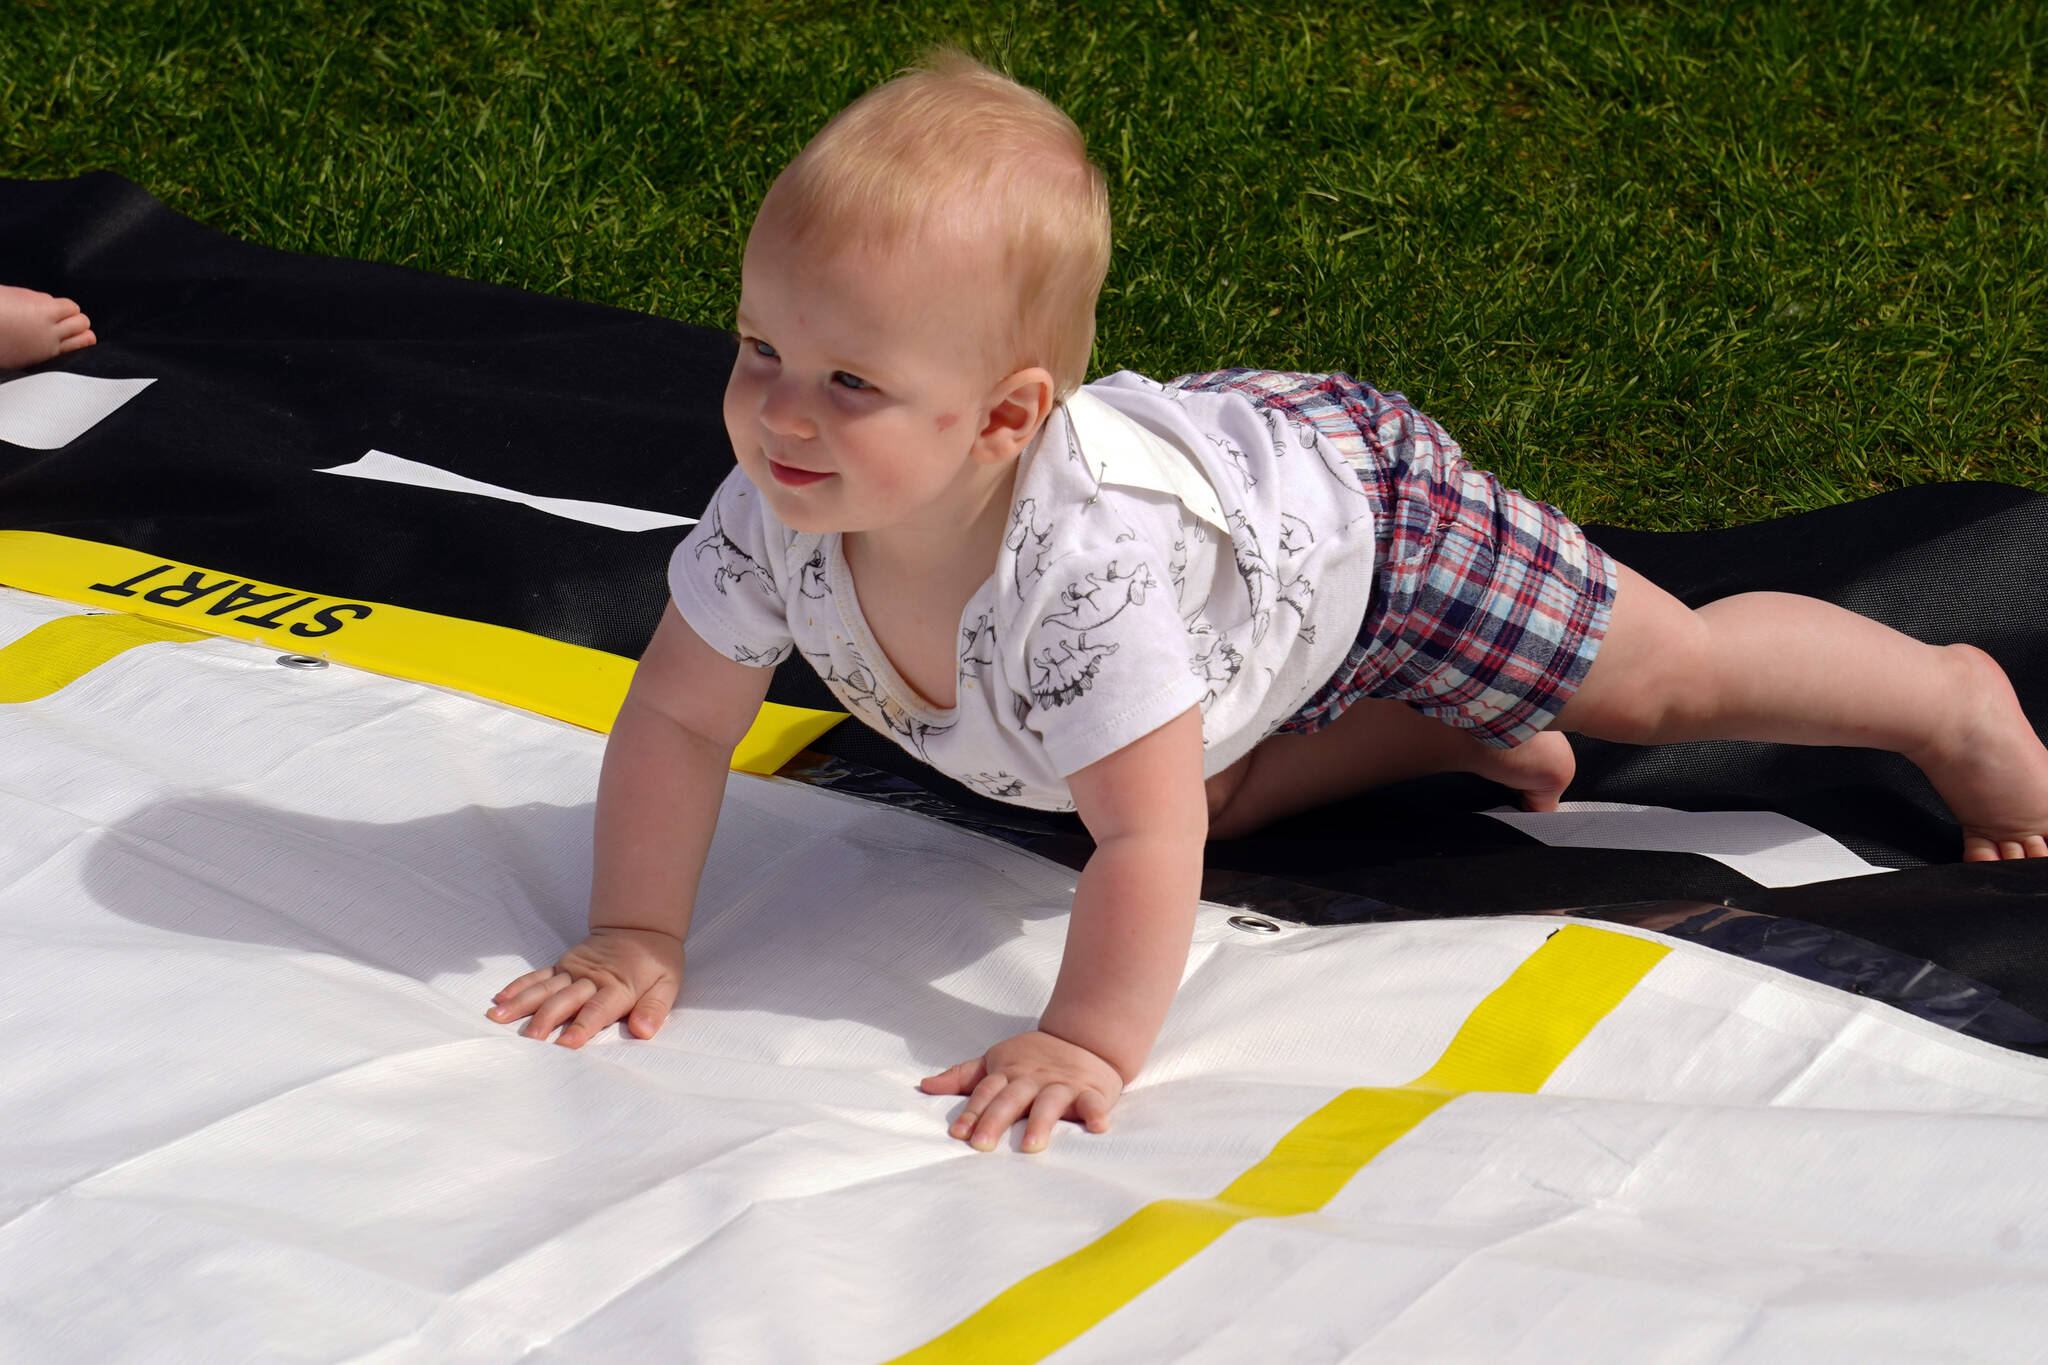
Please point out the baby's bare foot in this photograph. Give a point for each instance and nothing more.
(1539, 768)
(1990, 767)
(35, 327)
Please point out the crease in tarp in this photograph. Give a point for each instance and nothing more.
(1786, 1092)
(467, 1315)
(259, 1222)
(1364, 1219)
(85, 828)
(1764, 981)
(75, 1187)
(1462, 1257)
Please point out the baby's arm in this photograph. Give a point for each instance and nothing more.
(1127, 944)
(657, 805)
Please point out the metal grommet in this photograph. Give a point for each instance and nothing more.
(1254, 924)
(301, 661)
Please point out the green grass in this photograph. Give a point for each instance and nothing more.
(1665, 266)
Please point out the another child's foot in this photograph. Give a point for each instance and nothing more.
(35, 327)
(1991, 768)
(1540, 768)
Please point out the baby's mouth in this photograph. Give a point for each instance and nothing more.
(792, 477)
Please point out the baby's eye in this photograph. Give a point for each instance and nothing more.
(760, 348)
(850, 381)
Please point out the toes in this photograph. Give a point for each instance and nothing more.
(1980, 848)
(76, 343)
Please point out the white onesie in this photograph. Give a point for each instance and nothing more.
(1165, 549)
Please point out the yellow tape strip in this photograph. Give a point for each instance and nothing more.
(777, 734)
(569, 682)
(60, 652)
(1511, 1042)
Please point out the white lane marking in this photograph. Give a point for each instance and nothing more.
(1764, 846)
(53, 409)
(388, 468)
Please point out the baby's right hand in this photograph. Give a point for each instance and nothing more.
(598, 982)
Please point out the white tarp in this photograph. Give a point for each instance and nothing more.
(253, 915)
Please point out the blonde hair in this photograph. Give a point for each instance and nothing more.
(950, 152)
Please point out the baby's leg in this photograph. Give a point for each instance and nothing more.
(35, 327)
(1374, 742)
(1796, 670)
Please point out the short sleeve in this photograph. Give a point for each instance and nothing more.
(725, 577)
(1104, 654)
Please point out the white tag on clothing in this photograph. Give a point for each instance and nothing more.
(1119, 451)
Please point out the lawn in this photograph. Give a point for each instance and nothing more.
(1666, 266)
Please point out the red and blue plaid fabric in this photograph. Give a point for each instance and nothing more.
(1487, 606)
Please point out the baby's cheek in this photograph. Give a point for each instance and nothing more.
(946, 419)
(737, 406)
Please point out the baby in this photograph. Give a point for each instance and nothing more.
(1181, 610)
(35, 327)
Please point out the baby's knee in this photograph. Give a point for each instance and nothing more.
(1223, 791)
(1648, 711)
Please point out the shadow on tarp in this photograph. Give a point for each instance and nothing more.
(427, 897)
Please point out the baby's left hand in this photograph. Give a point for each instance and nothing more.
(1033, 1073)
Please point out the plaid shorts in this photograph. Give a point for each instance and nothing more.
(1487, 606)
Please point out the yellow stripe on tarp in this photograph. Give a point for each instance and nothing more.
(778, 733)
(1511, 1042)
(569, 682)
(57, 653)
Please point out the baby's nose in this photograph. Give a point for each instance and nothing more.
(782, 412)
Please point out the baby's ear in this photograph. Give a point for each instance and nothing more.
(1018, 406)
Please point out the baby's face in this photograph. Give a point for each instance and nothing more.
(860, 387)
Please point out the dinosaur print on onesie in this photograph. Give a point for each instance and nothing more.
(732, 566)
(1028, 540)
(977, 646)
(1066, 667)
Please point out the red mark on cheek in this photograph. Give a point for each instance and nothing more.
(946, 419)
